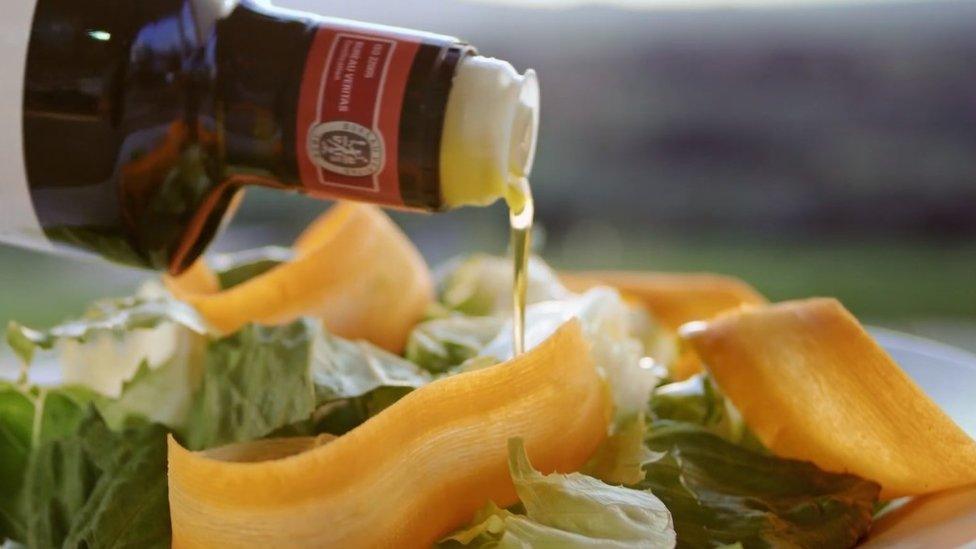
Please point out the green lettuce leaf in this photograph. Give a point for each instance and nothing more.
(720, 493)
(343, 369)
(30, 418)
(341, 416)
(444, 343)
(354, 381)
(293, 379)
(151, 358)
(698, 400)
(16, 426)
(97, 488)
(255, 381)
(57, 412)
(571, 511)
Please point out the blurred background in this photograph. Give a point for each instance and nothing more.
(810, 147)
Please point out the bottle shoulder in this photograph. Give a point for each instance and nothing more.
(112, 136)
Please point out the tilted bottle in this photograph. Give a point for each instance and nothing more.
(129, 128)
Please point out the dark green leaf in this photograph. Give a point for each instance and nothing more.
(234, 268)
(255, 381)
(96, 488)
(341, 416)
(16, 419)
(62, 410)
(720, 493)
(698, 400)
(295, 378)
(344, 369)
(54, 413)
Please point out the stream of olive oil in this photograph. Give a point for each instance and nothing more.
(521, 212)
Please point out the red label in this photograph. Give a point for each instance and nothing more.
(349, 114)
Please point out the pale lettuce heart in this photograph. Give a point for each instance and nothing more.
(607, 323)
(105, 361)
(481, 285)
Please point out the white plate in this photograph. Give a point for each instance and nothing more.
(948, 375)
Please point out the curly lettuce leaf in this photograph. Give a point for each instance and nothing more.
(441, 344)
(720, 493)
(572, 511)
(113, 342)
(97, 488)
(583, 505)
(620, 459)
(118, 317)
(141, 355)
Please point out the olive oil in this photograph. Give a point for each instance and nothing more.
(520, 216)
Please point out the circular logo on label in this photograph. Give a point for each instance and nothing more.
(345, 148)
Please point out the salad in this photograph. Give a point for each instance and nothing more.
(339, 394)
